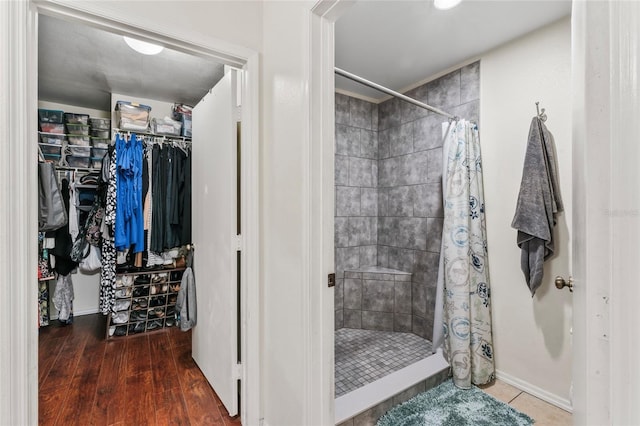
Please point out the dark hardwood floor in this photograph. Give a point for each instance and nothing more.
(140, 380)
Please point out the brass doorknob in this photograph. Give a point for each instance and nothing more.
(561, 283)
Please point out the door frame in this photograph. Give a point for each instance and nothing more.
(19, 124)
(322, 89)
(319, 299)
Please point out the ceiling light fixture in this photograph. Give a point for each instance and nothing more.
(143, 47)
(446, 4)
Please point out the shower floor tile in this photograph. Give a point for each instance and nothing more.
(364, 356)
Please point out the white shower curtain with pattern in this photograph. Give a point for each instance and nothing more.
(464, 273)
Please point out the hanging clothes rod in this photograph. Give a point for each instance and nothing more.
(392, 92)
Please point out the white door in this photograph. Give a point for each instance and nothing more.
(214, 177)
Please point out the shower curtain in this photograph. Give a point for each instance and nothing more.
(463, 301)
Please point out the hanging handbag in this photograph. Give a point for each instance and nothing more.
(81, 246)
(51, 212)
(90, 232)
(94, 226)
(93, 262)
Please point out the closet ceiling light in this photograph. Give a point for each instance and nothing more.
(446, 4)
(143, 47)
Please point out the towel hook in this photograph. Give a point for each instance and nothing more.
(541, 115)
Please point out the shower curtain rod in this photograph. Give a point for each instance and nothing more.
(392, 92)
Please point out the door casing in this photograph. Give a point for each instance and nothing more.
(235, 56)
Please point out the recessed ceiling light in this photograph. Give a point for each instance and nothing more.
(446, 4)
(143, 47)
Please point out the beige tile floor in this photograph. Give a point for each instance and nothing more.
(542, 412)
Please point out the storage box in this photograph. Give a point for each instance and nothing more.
(178, 110)
(165, 126)
(71, 118)
(55, 158)
(79, 151)
(74, 161)
(57, 128)
(186, 126)
(99, 133)
(100, 143)
(98, 152)
(48, 149)
(52, 139)
(79, 140)
(132, 116)
(78, 129)
(50, 116)
(100, 124)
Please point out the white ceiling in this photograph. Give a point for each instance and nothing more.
(394, 43)
(400, 43)
(81, 65)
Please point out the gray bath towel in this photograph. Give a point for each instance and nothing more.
(538, 202)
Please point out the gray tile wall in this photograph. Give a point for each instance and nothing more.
(356, 180)
(377, 301)
(389, 187)
(410, 183)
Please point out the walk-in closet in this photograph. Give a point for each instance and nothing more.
(138, 159)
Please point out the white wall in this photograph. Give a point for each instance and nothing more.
(532, 338)
(285, 118)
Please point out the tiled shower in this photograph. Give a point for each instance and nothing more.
(388, 218)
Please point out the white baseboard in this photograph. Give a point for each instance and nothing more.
(527, 387)
(54, 313)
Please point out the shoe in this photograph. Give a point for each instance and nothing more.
(165, 288)
(175, 288)
(151, 314)
(140, 303)
(141, 291)
(139, 316)
(127, 280)
(137, 327)
(152, 325)
(143, 279)
(159, 311)
(123, 293)
(112, 330)
(157, 301)
(171, 311)
(169, 322)
(121, 305)
(120, 317)
(121, 330)
(176, 275)
(173, 298)
(159, 278)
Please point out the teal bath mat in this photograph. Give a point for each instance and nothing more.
(446, 405)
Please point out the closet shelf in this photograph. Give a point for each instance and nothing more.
(77, 169)
(151, 271)
(154, 135)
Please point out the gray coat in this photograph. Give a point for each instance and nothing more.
(186, 303)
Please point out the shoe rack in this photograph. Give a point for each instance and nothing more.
(145, 302)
